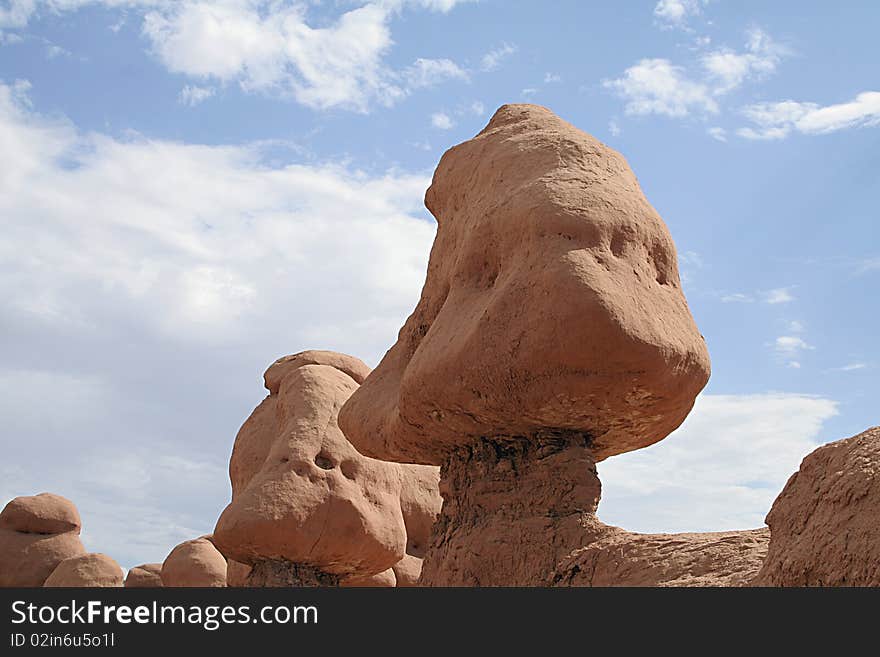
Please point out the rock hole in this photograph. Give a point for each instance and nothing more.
(323, 462)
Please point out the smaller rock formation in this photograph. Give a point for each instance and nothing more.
(195, 563)
(36, 534)
(91, 570)
(385, 579)
(307, 509)
(615, 557)
(145, 576)
(824, 526)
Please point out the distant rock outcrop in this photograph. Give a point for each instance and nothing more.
(614, 557)
(551, 333)
(825, 525)
(36, 534)
(307, 508)
(194, 563)
(145, 576)
(91, 570)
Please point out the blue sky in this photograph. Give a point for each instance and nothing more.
(191, 189)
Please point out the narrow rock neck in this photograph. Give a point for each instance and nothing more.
(512, 508)
(280, 573)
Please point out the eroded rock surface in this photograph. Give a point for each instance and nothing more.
(825, 525)
(145, 576)
(307, 508)
(93, 570)
(36, 534)
(552, 301)
(195, 563)
(615, 557)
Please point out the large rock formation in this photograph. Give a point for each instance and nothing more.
(824, 526)
(307, 508)
(145, 576)
(551, 333)
(36, 534)
(86, 571)
(195, 563)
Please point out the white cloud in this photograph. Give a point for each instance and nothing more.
(442, 121)
(795, 326)
(428, 72)
(720, 470)
(614, 128)
(492, 59)
(777, 120)
(274, 48)
(477, 108)
(277, 48)
(720, 134)
(151, 315)
(655, 86)
(53, 51)
(852, 367)
(868, 264)
(790, 347)
(777, 295)
(674, 13)
(728, 70)
(550, 78)
(529, 92)
(16, 13)
(192, 95)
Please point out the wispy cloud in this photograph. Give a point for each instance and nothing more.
(675, 13)
(777, 295)
(442, 121)
(192, 95)
(718, 133)
(728, 70)
(492, 59)
(851, 367)
(276, 48)
(778, 120)
(656, 86)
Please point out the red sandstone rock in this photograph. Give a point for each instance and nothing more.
(385, 579)
(314, 501)
(407, 571)
(551, 333)
(824, 526)
(36, 534)
(45, 513)
(511, 512)
(305, 503)
(237, 573)
(259, 432)
(195, 563)
(86, 571)
(552, 302)
(145, 576)
(614, 557)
